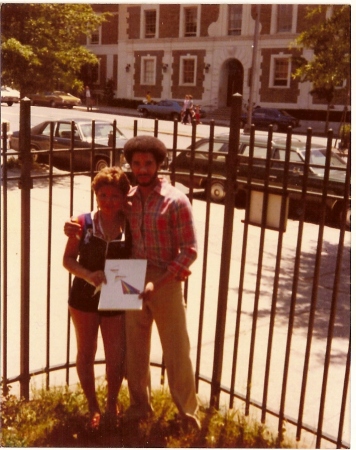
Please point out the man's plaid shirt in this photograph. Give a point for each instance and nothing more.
(162, 229)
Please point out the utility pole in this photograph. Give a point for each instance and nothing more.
(253, 69)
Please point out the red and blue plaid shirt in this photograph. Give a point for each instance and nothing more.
(162, 229)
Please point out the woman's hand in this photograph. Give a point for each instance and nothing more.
(96, 278)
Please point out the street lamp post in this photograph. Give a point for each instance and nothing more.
(253, 70)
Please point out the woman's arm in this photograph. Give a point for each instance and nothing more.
(72, 265)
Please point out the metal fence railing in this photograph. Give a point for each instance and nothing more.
(271, 330)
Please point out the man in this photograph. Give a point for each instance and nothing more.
(163, 233)
(88, 100)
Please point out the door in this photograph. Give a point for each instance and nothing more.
(235, 78)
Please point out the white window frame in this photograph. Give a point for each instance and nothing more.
(228, 19)
(142, 78)
(183, 7)
(273, 70)
(181, 70)
(274, 20)
(89, 38)
(145, 8)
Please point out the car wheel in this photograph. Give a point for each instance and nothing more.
(348, 217)
(217, 191)
(275, 127)
(10, 103)
(53, 104)
(100, 163)
(145, 113)
(175, 116)
(336, 215)
(339, 217)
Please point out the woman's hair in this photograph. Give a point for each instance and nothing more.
(113, 176)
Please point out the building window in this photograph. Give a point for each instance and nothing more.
(148, 74)
(188, 71)
(284, 18)
(235, 20)
(281, 72)
(94, 38)
(150, 23)
(190, 21)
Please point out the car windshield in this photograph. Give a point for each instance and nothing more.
(318, 157)
(284, 113)
(102, 131)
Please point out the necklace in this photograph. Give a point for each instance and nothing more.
(110, 229)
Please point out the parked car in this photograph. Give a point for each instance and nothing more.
(9, 95)
(263, 117)
(62, 136)
(164, 109)
(55, 99)
(337, 174)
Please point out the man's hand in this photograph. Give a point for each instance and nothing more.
(147, 292)
(72, 228)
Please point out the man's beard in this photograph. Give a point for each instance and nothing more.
(147, 181)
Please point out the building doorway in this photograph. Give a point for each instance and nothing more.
(235, 79)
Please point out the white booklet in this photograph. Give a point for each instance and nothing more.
(125, 281)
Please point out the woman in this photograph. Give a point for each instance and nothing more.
(188, 109)
(104, 234)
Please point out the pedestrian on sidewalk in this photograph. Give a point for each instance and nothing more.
(103, 234)
(197, 114)
(88, 99)
(148, 98)
(188, 109)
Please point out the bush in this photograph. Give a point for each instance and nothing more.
(58, 418)
(345, 136)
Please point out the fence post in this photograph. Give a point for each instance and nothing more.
(231, 169)
(25, 184)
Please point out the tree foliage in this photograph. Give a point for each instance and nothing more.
(330, 41)
(41, 48)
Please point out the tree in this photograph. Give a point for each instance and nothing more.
(330, 40)
(41, 48)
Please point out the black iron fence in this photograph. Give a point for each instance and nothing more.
(271, 331)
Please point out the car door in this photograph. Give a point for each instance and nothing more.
(62, 140)
(201, 163)
(259, 117)
(255, 171)
(160, 109)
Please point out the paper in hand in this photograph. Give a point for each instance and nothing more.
(125, 281)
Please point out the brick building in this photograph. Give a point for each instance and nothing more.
(205, 50)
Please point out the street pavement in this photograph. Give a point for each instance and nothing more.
(318, 127)
(58, 289)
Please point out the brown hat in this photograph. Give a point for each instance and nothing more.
(145, 144)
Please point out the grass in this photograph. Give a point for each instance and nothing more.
(58, 418)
